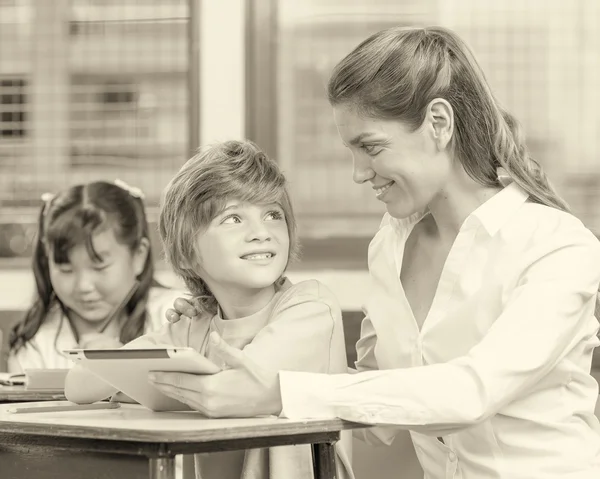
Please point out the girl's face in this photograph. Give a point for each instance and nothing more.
(406, 169)
(93, 289)
(244, 249)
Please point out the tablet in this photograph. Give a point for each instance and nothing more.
(127, 370)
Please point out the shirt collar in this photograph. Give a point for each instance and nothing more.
(262, 313)
(492, 214)
(496, 211)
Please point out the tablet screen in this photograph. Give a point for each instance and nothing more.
(127, 370)
(125, 353)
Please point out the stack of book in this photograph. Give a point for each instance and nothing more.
(36, 379)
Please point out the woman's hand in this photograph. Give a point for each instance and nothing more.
(182, 307)
(98, 341)
(244, 390)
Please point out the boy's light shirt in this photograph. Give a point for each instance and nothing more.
(500, 369)
(55, 334)
(301, 329)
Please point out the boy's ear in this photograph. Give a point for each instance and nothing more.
(140, 256)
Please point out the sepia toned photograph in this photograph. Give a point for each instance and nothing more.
(288, 239)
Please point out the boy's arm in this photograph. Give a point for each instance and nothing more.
(84, 387)
(305, 334)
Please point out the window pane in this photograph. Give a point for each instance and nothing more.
(91, 89)
(313, 37)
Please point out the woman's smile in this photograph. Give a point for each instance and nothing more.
(381, 190)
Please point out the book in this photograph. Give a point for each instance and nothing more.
(36, 379)
(45, 379)
(14, 379)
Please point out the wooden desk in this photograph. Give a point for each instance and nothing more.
(134, 442)
(20, 394)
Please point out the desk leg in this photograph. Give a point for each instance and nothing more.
(324, 461)
(162, 467)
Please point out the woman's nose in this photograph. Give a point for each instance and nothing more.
(362, 171)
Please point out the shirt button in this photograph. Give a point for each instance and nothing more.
(452, 456)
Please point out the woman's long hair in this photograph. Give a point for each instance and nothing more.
(395, 74)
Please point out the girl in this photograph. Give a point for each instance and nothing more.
(229, 231)
(479, 326)
(94, 276)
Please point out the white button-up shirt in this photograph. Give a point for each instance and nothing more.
(500, 371)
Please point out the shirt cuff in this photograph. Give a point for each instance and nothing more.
(306, 395)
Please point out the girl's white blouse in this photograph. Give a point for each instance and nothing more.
(500, 371)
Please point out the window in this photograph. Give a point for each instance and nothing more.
(119, 94)
(12, 108)
(542, 64)
(294, 46)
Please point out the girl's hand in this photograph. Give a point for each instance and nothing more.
(98, 341)
(183, 308)
(244, 390)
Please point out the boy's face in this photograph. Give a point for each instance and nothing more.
(244, 249)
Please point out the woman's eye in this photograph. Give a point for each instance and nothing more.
(101, 266)
(274, 215)
(231, 219)
(372, 150)
(65, 270)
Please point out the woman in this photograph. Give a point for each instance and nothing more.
(479, 326)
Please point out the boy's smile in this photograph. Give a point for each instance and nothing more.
(259, 256)
(243, 250)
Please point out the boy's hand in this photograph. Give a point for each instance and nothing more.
(98, 341)
(183, 307)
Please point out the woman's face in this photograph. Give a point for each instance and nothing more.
(407, 170)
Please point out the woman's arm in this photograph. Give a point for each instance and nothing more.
(544, 316)
(365, 347)
(366, 361)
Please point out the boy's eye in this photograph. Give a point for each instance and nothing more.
(231, 219)
(274, 215)
(65, 269)
(101, 266)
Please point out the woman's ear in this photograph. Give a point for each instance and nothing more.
(440, 116)
(140, 255)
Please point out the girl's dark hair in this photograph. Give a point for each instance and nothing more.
(71, 218)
